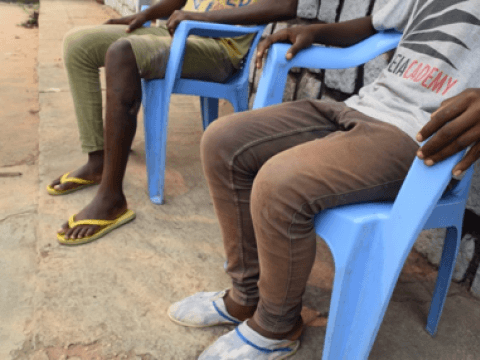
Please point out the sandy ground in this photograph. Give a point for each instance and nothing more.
(19, 100)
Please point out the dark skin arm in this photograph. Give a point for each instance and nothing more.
(455, 125)
(161, 9)
(261, 12)
(339, 34)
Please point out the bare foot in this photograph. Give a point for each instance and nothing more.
(102, 207)
(92, 171)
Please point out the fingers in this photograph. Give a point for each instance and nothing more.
(471, 156)
(458, 133)
(134, 25)
(301, 42)
(267, 42)
(111, 21)
(455, 146)
(261, 48)
(171, 25)
(173, 22)
(448, 110)
(456, 136)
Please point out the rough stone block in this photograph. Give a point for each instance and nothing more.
(465, 255)
(373, 68)
(430, 244)
(256, 78)
(268, 30)
(280, 26)
(252, 71)
(342, 80)
(307, 9)
(474, 195)
(289, 92)
(475, 289)
(125, 11)
(328, 10)
(354, 9)
(308, 87)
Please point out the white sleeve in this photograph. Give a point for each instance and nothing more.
(393, 15)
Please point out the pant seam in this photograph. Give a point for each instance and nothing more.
(289, 233)
(231, 165)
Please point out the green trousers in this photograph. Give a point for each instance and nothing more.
(84, 53)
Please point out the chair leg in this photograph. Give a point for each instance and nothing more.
(155, 122)
(209, 107)
(445, 271)
(359, 298)
(363, 286)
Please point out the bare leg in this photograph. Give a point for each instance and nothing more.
(123, 102)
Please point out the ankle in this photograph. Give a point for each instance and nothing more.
(238, 311)
(95, 162)
(293, 334)
(114, 198)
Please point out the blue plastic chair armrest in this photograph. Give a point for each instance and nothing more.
(274, 76)
(423, 187)
(321, 57)
(214, 30)
(200, 28)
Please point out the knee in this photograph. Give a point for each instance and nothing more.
(75, 45)
(122, 74)
(218, 144)
(278, 191)
(119, 56)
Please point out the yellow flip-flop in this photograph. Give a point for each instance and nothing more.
(65, 179)
(107, 226)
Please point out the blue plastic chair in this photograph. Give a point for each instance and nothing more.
(371, 241)
(157, 92)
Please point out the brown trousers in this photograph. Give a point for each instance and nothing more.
(271, 170)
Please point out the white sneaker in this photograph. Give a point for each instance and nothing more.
(201, 310)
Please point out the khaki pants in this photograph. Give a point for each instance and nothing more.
(271, 170)
(84, 54)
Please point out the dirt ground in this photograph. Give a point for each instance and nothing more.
(19, 93)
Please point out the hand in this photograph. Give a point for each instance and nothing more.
(177, 17)
(133, 21)
(456, 124)
(300, 36)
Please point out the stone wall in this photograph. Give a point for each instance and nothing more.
(341, 84)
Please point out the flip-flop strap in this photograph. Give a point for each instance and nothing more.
(72, 223)
(65, 179)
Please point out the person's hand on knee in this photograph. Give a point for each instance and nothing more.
(133, 21)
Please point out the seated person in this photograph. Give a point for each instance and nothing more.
(271, 170)
(130, 52)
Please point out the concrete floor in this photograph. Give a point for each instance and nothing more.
(108, 299)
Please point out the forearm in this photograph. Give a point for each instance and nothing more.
(261, 12)
(163, 9)
(345, 33)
